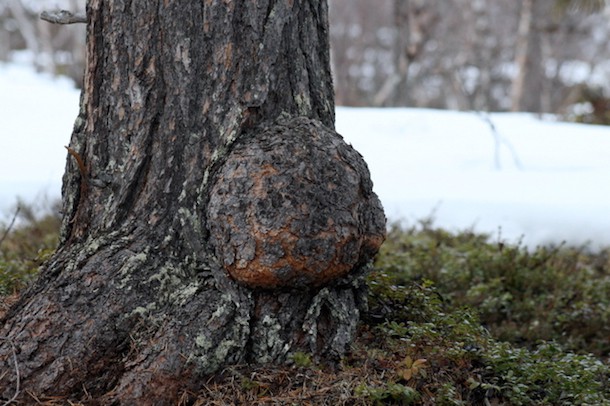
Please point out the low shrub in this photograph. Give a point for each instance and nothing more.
(463, 363)
(522, 296)
(453, 319)
(26, 243)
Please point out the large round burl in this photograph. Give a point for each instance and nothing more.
(293, 206)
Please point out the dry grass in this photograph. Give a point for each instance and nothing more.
(291, 385)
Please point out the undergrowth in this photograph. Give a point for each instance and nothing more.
(522, 296)
(453, 319)
(28, 239)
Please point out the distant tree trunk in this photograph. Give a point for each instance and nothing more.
(27, 28)
(484, 54)
(524, 30)
(413, 23)
(528, 85)
(5, 37)
(211, 213)
(395, 85)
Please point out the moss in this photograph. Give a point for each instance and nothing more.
(413, 316)
(301, 359)
(431, 292)
(26, 247)
(521, 295)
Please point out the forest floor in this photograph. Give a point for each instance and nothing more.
(453, 319)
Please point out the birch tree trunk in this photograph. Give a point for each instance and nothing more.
(211, 213)
(522, 53)
(528, 86)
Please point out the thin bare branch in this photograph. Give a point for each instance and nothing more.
(63, 17)
(498, 141)
(10, 226)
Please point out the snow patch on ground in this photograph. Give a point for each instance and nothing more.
(36, 117)
(510, 175)
(538, 179)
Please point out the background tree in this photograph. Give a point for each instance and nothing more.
(49, 48)
(211, 213)
(470, 56)
(539, 23)
(453, 54)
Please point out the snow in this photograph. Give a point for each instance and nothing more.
(542, 180)
(512, 175)
(36, 117)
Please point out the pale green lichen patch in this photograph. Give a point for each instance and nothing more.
(188, 218)
(79, 122)
(182, 54)
(166, 276)
(310, 326)
(303, 104)
(203, 342)
(144, 311)
(223, 349)
(182, 195)
(270, 346)
(231, 122)
(214, 356)
(168, 238)
(223, 336)
(182, 295)
(224, 308)
(132, 264)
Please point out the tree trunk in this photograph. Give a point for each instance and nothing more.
(395, 84)
(414, 21)
(528, 85)
(211, 214)
(522, 54)
(27, 28)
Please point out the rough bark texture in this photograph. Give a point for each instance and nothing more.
(138, 303)
(293, 207)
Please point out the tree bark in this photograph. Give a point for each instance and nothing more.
(211, 213)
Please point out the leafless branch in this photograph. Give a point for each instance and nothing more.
(63, 17)
(498, 141)
(17, 374)
(10, 226)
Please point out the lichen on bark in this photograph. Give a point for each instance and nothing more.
(192, 111)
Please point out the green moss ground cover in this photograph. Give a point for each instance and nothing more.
(453, 319)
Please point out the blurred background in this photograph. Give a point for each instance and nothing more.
(497, 55)
(549, 56)
(507, 173)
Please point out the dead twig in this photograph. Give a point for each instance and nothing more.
(10, 226)
(498, 141)
(63, 17)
